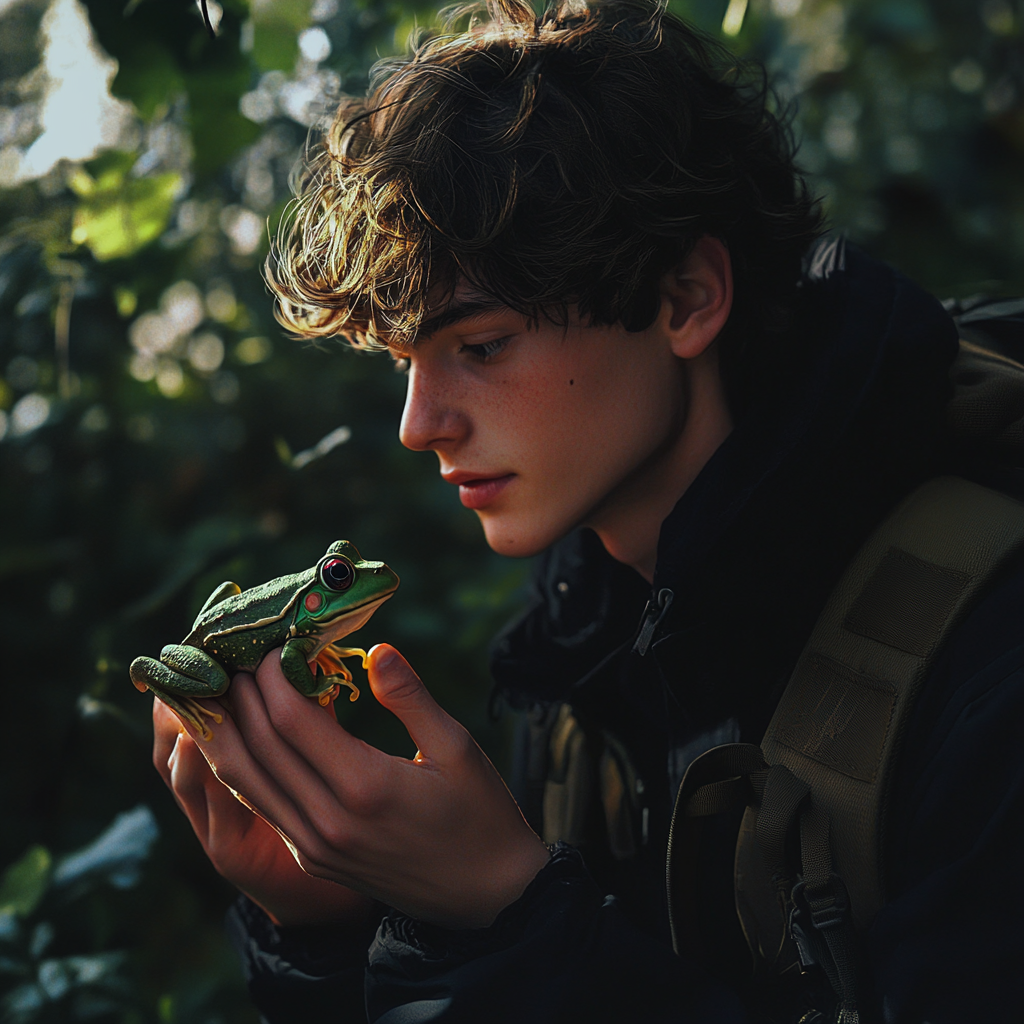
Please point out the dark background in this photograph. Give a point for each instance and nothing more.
(153, 411)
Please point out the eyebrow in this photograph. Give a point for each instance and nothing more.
(458, 312)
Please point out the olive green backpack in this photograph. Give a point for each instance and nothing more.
(809, 868)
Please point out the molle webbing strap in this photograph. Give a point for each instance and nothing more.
(726, 777)
(839, 724)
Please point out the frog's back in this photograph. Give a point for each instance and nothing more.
(273, 601)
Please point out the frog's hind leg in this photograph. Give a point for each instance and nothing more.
(178, 690)
(222, 593)
(192, 711)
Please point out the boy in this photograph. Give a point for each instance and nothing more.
(586, 235)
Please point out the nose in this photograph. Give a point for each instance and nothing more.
(431, 418)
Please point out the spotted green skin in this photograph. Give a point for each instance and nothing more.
(236, 629)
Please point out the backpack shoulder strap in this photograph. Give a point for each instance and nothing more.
(826, 763)
(841, 719)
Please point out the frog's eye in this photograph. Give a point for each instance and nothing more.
(338, 574)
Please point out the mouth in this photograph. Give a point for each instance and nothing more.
(478, 492)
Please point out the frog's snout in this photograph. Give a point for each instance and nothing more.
(385, 570)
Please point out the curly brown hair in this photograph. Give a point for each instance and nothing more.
(570, 158)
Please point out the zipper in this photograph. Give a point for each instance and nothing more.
(655, 611)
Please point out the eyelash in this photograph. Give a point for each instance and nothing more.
(488, 349)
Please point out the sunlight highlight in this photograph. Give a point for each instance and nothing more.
(78, 116)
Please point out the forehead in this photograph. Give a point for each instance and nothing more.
(465, 304)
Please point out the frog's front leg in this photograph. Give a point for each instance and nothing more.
(329, 659)
(295, 666)
(183, 674)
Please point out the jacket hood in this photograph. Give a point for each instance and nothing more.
(754, 546)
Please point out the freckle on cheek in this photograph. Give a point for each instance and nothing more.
(571, 383)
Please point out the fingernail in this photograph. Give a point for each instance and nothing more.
(387, 658)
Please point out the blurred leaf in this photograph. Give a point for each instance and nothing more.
(117, 854)
(150, 79)
(219, 131)
(276, 27)
(57, 977)
(118, 214)
(207, 540)
(25, 882)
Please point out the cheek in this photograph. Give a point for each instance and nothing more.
(609, 420)
(578, 433)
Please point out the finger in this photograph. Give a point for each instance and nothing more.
(236, 767)
(166, 729)
(437, 735)
(301, 720)
(180, 764)
(316, 762)
(188, 773)
(232, 836)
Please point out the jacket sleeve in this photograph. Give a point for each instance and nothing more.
(309, 974)
(946, 947)
(562, 952)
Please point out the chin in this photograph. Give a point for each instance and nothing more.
(516, 537)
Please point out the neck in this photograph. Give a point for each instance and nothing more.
(629, 520)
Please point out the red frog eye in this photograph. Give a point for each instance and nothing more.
(338, 574)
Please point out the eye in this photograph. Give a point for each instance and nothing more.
(337, 574)
(488, 349)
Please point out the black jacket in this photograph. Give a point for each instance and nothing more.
(750, 553)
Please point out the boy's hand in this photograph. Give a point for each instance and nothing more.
(438, 837)
(242, 846)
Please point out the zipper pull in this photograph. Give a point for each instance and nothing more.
(653, 614)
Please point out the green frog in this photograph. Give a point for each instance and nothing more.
(305, 613)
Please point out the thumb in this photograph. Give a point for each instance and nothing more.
(402, 692)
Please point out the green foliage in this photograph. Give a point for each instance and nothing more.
(158, 434)
(911, 120)
(24, 882)
(275, 30)
(117, 214)
(41, 908)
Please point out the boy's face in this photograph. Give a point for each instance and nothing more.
(543, 427)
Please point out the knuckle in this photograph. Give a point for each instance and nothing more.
(311, 865)
(460, 744)
(334, 834)
(286, 718)
(314, 858)
(363, 798)
(402, 687)
(226, 771)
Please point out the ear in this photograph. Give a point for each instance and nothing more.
(696, 298)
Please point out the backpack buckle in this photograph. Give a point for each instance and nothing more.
(828, 903)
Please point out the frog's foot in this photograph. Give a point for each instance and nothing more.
(330, 663)
(354, 695)
(351, 652)
(327, 696)
(339, 680)
(192, 711)
(345, 677)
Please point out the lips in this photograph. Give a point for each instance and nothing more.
(478, 492)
